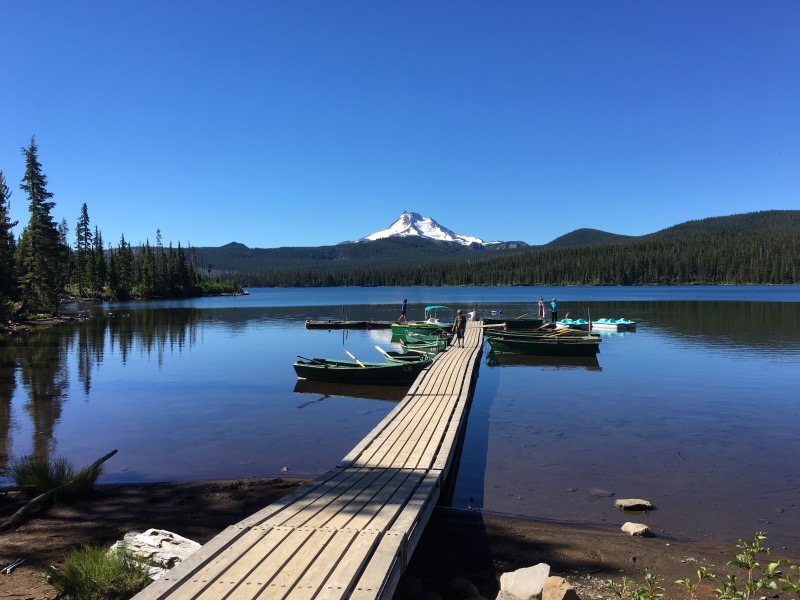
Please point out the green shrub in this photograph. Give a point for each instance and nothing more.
(92, 573)
(745, 557)
(38, 476)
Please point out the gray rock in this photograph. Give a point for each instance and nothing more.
(524, 584)
(637, 529)
(633, 504)
(159, 547)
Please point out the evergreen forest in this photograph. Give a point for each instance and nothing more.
(43, 267)
(753, 248)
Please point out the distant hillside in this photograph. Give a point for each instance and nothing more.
(749, 248)
(764, 222)
(586, 237)
(236, 258)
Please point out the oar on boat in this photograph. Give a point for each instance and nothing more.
(314, 360)
(362, 365)
(382, 351)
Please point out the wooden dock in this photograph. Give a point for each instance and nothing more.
(351, 532)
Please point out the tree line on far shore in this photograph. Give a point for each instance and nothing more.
(41, 268)
(738, 258)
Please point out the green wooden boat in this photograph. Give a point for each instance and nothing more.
(394, 371)
(518, 324)
(427, 343)
(567, 342)
(437, 317)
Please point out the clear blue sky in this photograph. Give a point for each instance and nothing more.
(276, 123)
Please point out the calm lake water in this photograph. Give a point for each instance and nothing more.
(697, 411)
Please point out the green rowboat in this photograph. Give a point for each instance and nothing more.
(437, 317)
(569, 343)
(392, 372)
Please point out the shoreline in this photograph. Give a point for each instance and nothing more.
(457, 543)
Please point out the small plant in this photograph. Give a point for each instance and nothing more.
(92, 573)
(745, 557)
(651, 590)
(37, 476)
(703, 574)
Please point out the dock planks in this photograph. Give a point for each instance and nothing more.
(350, 532)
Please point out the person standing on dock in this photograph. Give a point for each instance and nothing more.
(542, 314)
(554, 311)
(459, 325)
(403, 309)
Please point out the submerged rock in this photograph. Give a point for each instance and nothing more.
(633, 504)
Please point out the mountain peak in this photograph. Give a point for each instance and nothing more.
(414, 224)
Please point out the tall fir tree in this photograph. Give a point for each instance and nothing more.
(83, 252)
(8, 283)
(99, 266)
(41, 256)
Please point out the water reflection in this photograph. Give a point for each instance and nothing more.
(588, 363)
(347, 390)
(37, 360)
(689, 411)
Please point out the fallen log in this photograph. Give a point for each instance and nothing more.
(42, 500)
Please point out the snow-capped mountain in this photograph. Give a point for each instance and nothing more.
(411, 223)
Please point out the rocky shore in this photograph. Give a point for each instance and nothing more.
(460, 553)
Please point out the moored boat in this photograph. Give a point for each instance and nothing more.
(621, 324)
(434, 320)
(391, 372)
(579, 324)
(515, 324)
(566, 342)
(420, 341)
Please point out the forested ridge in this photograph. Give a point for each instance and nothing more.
(752, 248)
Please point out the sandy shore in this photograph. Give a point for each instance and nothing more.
(456, 544)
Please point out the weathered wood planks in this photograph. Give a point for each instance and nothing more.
(350, 532)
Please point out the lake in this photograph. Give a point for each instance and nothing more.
(697, 411)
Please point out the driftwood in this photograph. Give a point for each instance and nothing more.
(42, 500)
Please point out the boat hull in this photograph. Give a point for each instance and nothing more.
(546, 345)
(614, 325)
(400, 330)
(515, 324)
(340, 371)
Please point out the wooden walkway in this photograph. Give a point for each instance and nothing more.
(351, 532)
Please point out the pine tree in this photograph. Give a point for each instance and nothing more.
(8, 284)
(40, 255)
(83, 251)
(99, 266)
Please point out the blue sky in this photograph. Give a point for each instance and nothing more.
(310, 123)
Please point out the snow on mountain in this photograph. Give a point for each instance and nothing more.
(411, 223)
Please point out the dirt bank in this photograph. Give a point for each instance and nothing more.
(471, 545)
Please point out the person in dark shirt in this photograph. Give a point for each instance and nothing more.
(459, 325)
(403, 310)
